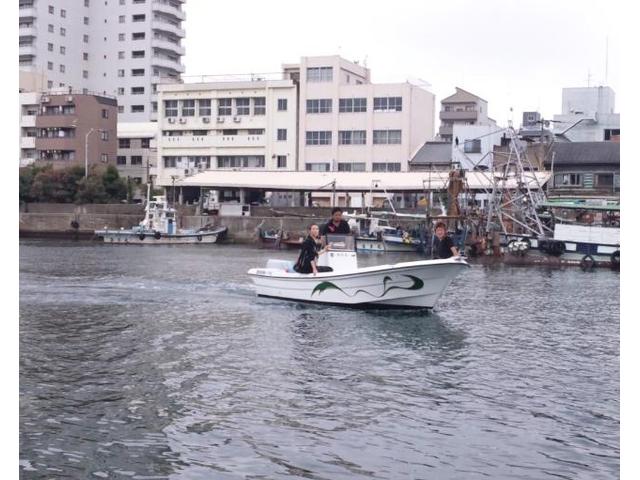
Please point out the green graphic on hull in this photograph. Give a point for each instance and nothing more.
(417, 285)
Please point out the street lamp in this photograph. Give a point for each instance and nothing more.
(86, 149)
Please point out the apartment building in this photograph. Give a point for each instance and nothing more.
(236, 125)
(347, 123)
(462, 108)
(115, 47)
(59, 129)
(588, 115)
(137, 150)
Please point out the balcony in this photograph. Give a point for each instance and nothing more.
(28, 121)
(27, 50)
(28, 142)
(167, 27)
(157, 61)
(27, 12)
(27, 30)
(167, 45)
(53, 143)
(445, 130)
(213, 141)
(167, 9)
(463, 115)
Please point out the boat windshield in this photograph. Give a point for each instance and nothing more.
(343, 243)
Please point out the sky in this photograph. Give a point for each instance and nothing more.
(513, 54)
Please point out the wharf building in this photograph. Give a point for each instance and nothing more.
(122, 48)
(59, 129)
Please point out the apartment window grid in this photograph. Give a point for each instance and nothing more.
(138, 36)
(62, 68)
(104, 158)
(136, 159)
(568, 180)
(50, 47)
(259, 106)
(137, 54)
(137, 72)
(137, 108)
(51, 9)
(85, 56)
(352, 167)
(50, 28)
(473, 146)
(121, 19)
(86, 20)
(355, 105)
(240, 161)
(320, 74)
(387, 104)
(121, 37)
(256, 131)
(121, 73)
(242, 106)
(352, 137)
(120, 90)
(63, 32)
(145, 143)
(137, 90)
(188, 108)
(104, 135)
(120, 108)
(385, 166)
(321, 137)
(317, 167)
(224, 107)
(319, 105)
(282, 104)
(170, 108)
(138, 18)
(63, 13)
(124, 143)
(63, 50)
(387, 137)
(121, 55)
(121, 160)
(204, 107)
(282, 134)
(85, 74)
(281, 161)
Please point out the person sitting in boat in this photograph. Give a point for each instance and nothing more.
(444, 247)
(311, 248)
(336, 224)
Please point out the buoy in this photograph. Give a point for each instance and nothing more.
(141, 236)
(587, 263)
(157, 235)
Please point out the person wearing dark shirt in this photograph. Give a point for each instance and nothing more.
(444, 247)
(336, 224)
(308, 258)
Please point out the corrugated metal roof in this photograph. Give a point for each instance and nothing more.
(585, 153)
(437, 153)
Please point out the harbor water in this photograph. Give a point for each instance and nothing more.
(161, 363)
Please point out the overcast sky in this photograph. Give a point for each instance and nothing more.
(511, 53)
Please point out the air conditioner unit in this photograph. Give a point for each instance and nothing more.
(70, 98)
(171, 120)
(45, 99)
(220, 120)
(237, 119)
(183, 120)
(206, 119)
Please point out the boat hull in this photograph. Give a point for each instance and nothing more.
(403, 285)
(120, 237)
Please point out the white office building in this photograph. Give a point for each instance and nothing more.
(116, 47)
(137, 150)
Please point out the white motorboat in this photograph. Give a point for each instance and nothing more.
(159, 228)
(416, 284)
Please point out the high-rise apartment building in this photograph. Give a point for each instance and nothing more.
(112, 47)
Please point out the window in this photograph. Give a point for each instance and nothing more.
(137, 108)
(204, 107)
(63, 31)
(355, 137)
(86, 3)
(316, 167)
(137, 72)
(282, 134)
(137, 90)
(50, 47)
(138, 18)
(85, 74)
(145, 143)
(122, 2)
(387, 104)
(170, 108)
(242, 106)
(256, 131)
(85, 39)
(85, 56)
(63, 50)
(120, 108)
(136, 160)
(320, 74)
(62, 68)
(568, 180)
(610, 132)
(50, 28)
(121, 160)
(49, 84)
(86, 20)
(188, 108)
(352, 167)
(120, 90)
(104, 135)
(104, 158)
(604, 180)
(259, 105)
(321, 105)
(385, 167)
(124, 143)
(154, 106)
(353, 105)
(137, 54)
(121, 55)
(282, 104)
(281, 161)
(169, 162)
(51, 9)
(63, 13)
(383, 137)
(473, 146)
(121, 37)
(121, 73)
(241, 161)
(137, 36)
(318, 138)
(224, 106)
(121, 19)
(228, 131)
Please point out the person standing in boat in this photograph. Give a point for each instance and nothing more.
(443, 247)
(336, 224)
(311, 248)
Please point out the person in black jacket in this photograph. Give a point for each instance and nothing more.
(311, 248)
(336, 224)
(444, 247)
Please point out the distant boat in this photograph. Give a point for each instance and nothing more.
(159, 228)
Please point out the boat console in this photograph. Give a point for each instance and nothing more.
(341, 256)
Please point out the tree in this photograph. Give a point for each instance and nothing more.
(91, 190)
(114, 186)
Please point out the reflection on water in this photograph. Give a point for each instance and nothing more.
(162, 363)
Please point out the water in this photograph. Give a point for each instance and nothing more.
(160, 363)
